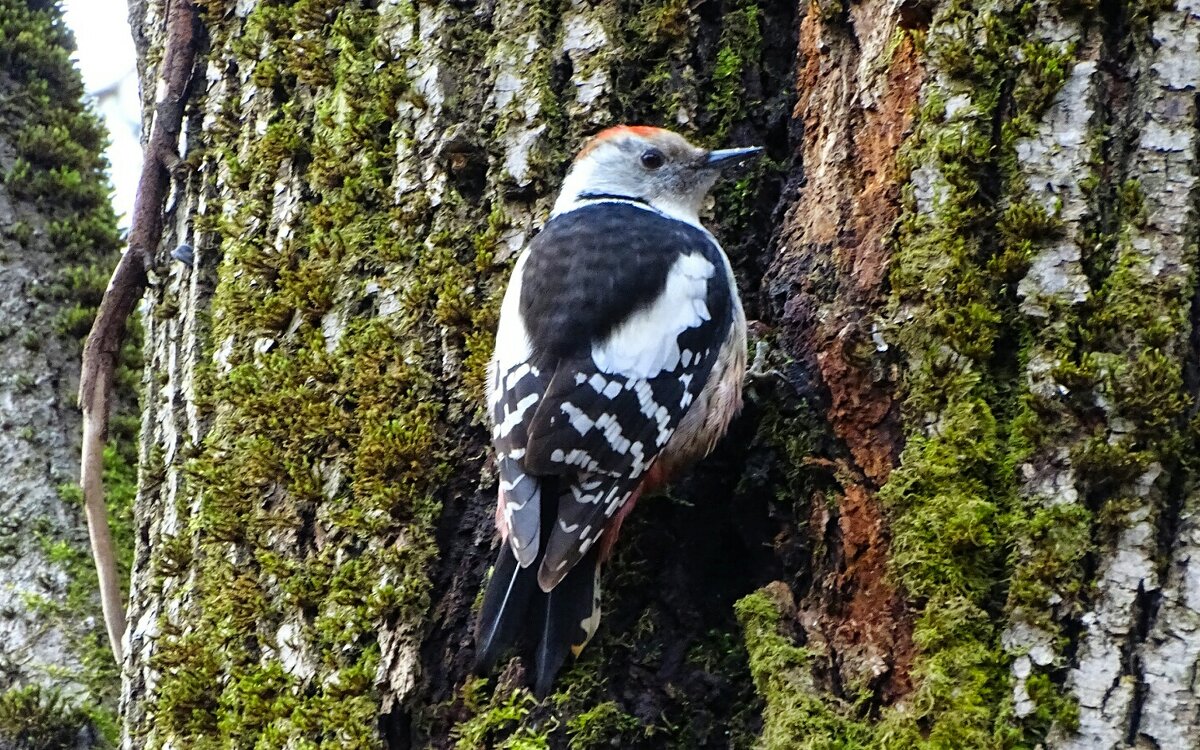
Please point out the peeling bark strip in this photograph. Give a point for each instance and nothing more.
(103, 344)
(857, 90)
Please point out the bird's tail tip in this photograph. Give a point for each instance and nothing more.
(505, 608)
(568, 620)
(565, 618)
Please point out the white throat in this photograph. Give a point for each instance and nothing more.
(584, 180)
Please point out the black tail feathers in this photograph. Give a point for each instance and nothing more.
(562, 621)
(567, 621)
(505, 604)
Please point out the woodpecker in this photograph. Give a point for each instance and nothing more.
(619, 361)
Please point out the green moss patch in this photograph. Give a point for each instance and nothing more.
(797, 714)
(35, 719)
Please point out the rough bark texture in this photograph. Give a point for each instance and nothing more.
(58, 240)
(958, 511)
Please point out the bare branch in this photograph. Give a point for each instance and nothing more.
(103, 346)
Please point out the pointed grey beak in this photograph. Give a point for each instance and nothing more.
(728, 157)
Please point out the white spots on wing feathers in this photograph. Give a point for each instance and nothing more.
(651, 409)
(606, 423)
(647, 343)
(613, 433)
(580, 421)
(515, 374)
(525, 549)
(576, 457)
(607, 388)
(590, 540)
(663, 417)
(582, 497)
(645, 396)
(686, 399)
(640, 463)
(609, 422)
(614, 501)
(520, 509)
(513, 417)
(509, 509)
(509, 486)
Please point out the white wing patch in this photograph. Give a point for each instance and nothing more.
(647, 343)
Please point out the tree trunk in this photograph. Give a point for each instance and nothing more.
(58, 240)
(956, 513)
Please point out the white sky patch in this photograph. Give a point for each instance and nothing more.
(106, 58)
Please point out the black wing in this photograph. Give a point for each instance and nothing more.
(626, 311)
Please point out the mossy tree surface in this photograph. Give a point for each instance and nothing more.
(965, 478)
(314, 490)
(58, 243)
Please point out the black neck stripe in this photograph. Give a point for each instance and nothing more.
(614, 197)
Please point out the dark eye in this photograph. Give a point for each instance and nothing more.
(652, 159)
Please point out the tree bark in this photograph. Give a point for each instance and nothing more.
(58, 240)
(958, 509)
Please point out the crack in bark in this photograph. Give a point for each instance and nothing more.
(1145, 606)
(1127, 625)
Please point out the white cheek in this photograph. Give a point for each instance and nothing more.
(578, 181)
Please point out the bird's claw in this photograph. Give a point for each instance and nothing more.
(759, 370)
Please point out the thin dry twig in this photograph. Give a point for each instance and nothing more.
(103, 346)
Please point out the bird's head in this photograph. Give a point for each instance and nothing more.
(647, 164)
